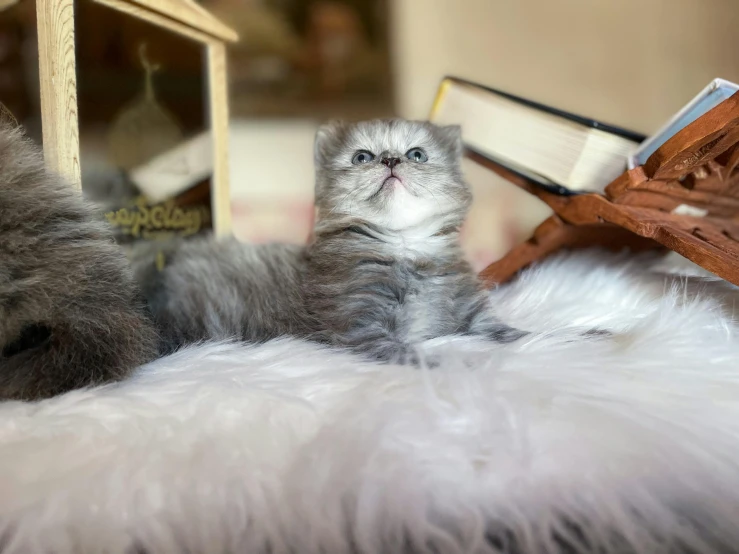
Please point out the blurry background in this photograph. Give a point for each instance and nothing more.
(632, 63)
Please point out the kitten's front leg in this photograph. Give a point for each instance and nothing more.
(378, 343)
(496, 330)
(484, 323)
(481, 321)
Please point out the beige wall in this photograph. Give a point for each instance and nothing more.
(628, 62)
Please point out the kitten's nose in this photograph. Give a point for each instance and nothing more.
(391, 162)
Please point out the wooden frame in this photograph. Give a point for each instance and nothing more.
(57, 74)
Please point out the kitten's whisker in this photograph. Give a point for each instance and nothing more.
(432, 196)
(355, 192)
(341, 201)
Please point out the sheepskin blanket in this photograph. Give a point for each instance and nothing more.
(558, 443)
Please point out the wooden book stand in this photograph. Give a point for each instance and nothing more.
(684, 198)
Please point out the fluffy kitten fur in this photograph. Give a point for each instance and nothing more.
(383, 272)
(70, 313)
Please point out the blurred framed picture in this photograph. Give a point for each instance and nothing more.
(308, 58)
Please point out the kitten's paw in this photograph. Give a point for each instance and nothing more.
(594, 334)
(504, 334)
(601, 333)
(404, 355)
(424, 361)
(416, 358)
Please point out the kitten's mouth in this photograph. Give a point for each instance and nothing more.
(390, 183)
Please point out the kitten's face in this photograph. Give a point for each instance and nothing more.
(393, 173)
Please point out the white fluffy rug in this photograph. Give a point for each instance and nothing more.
(555, 444)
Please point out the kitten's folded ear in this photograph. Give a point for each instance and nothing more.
(327, 135)
(451, 135)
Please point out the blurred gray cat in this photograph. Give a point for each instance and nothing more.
(70, 311)
(383, 272)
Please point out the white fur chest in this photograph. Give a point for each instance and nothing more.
(408, 214)
(419, 242)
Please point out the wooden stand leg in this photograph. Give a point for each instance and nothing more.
(554, 234)
(218, 98)
(55, 21)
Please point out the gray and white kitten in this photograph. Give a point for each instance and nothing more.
(70, 311)
(383, 272)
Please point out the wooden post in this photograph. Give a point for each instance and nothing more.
(58, 80)
(218, 109)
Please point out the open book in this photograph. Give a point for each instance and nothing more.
(562, 152)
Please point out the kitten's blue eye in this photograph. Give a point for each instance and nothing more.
(417, 155)
(362, 157)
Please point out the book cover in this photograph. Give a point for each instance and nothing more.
(711, 96)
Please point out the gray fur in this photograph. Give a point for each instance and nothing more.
(384, 271)
(223, 290)
(70, 314)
